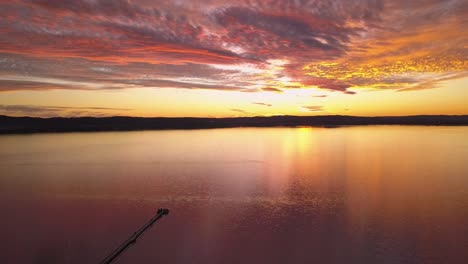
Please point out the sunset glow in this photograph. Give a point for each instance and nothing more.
(233, 58)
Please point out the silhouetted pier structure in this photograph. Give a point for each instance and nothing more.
(132, 239)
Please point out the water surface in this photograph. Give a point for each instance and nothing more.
(377, 194)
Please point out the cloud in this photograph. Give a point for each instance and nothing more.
(413, 48)
(241, 111)
(337, 45)
(106, 7)
(313, 108)
(272, 89)
(66, 111)
(14, 85)
(47, 74)
(434, 83)
(264, 104)
(261, 30)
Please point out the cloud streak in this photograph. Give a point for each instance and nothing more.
(313, 108)
(65, 111)
(241, 111)
(263, 104)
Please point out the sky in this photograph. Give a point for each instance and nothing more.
(216, 58)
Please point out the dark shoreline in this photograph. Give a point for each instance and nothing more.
(21, 125)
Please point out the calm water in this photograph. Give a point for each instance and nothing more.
(382, 194)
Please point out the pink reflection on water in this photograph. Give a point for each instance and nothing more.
(281, 195)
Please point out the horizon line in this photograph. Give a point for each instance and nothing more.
(211, 117)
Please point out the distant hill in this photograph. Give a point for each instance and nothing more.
(36, 125)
